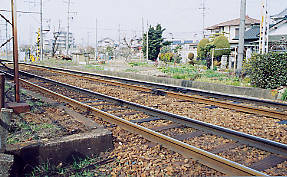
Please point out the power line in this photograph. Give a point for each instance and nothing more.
(20, 11)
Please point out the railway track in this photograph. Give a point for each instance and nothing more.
(203, 93)
(129, 115)
(234, 105)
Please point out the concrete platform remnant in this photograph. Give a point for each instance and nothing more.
(6, 162)
(62, 150)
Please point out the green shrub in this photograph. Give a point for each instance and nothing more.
(221, 42)
(284, 95)
(268, 70)
(190, 56)
(201, 45)
(166, 57)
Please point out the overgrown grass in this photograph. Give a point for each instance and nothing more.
(27, 131)
(131, 70)
(201, 74)
(94, 67)
(55, 62)
(76, 169)
(132, 64)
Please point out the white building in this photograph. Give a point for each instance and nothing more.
(231, 28)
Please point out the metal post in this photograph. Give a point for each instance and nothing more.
(212, 56)
(5, 119)
(41, 29)
(2, 90)
(241, 36)
(147, 43)
(15, 51)
(96, 54)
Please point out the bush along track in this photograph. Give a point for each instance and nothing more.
(267, 71)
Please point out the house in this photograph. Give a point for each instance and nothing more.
(277, 33)
(105, 42)
(280, 16)
(231, 28)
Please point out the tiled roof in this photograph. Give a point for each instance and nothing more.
(235, 22)
(252, 33)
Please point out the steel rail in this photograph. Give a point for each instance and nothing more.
(257, 142)
(166, 86)
(206, 158)
(241, 108)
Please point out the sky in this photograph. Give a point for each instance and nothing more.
(181, 18)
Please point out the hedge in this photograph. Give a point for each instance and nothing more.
(267, 70)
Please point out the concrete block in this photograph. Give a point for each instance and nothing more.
(19, 107)
(6, 162)
(71, 147)
(64, 149)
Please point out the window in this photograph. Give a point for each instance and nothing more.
(236, 32)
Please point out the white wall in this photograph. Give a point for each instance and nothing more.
(281, 30)
(184, 54)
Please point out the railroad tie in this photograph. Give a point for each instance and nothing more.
(93, 101)
(224, 147)
(127, 114)
(102, 104)
(170, 126)
(182, 137)
(149, 119)
(211, 107)
(268, 162)
(282, 122)
(114, 109)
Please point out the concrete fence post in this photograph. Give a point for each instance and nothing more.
(5, 119)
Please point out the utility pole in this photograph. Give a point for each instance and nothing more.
(241, 36)
(68, 29)
(119, 34)
(203, 8)
(119, 30)
(15, 51)
(264, 28)
(141, 52)
(6, 40)
(147, 42)
(41, 30)
(142, 27)
(96, 54)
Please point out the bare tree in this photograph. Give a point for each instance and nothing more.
(128, 50)
(56, 35)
